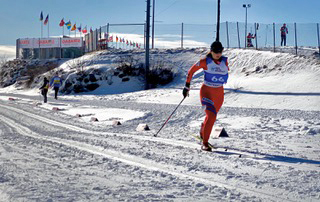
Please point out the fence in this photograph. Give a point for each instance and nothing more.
(232, 35)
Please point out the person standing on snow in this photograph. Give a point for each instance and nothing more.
(57, 82)
(249, 39)
(215, 67)
(284, 32)
(44, 89)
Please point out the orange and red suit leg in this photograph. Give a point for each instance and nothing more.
(212, 99)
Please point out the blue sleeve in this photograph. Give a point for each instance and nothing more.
(51, 81)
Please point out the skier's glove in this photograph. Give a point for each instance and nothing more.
(186, 90)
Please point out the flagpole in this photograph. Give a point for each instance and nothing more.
(48, 27)
(41, 28)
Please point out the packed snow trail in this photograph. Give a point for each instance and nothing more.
(192, 174)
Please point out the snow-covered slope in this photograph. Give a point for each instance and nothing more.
(7, 52)
(271, 114)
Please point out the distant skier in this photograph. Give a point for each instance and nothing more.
(249, 39)
(44, 89)
(57, 82)
(284, 32)
(215, 67)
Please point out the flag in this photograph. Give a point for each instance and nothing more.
(84, 30)
(127, 42)
(46, 20)
(61, 23)
(41, 16)
(79, 28)
(117, 39)
(91, 29)
(68, 24)
(110, 39)
(74, 27)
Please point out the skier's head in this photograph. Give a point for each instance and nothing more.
(216, 47)
(284, 24)
(216, 50)
(45, 79)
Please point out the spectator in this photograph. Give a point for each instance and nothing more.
(284, 32)
(249, 39)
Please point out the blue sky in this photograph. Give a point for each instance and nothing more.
(20, 18)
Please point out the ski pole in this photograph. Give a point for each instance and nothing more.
(169, 117)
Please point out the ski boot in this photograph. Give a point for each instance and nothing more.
(206, 147)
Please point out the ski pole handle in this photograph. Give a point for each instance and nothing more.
(155, 135)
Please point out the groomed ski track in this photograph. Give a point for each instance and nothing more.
(88, 141)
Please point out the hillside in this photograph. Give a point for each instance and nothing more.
(73, 149)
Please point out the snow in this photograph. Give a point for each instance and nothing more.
(271, 113)
(7, 52)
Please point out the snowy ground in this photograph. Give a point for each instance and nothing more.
(271, 114)
(7, 52)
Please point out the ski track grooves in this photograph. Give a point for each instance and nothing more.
(189, 145)
(82, 130)
(130, 160)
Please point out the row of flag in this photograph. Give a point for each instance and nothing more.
(67, 24)
(74, 27)
(123, 40)
(84, 31)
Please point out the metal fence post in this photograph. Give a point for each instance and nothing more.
(295, 37)
(107, 40)
(227, 34)
(17, 48)
(255, 34)
(238, 35)
(318, 37)
(274, 38)
(182, 35)
(147, 45)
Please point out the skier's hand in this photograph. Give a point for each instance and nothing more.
(186, 90)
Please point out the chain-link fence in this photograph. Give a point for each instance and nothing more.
(232, 35)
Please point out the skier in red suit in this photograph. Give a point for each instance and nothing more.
(215, 67)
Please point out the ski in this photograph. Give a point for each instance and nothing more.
(200, 139)
(215, 149)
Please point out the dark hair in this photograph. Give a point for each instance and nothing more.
(216, 47)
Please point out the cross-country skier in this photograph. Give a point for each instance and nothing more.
(57, 82)
(44, 89)
(215, 67)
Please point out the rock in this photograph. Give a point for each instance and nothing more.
(92, 78)
(92, 86)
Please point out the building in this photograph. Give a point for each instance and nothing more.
(48, 48)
